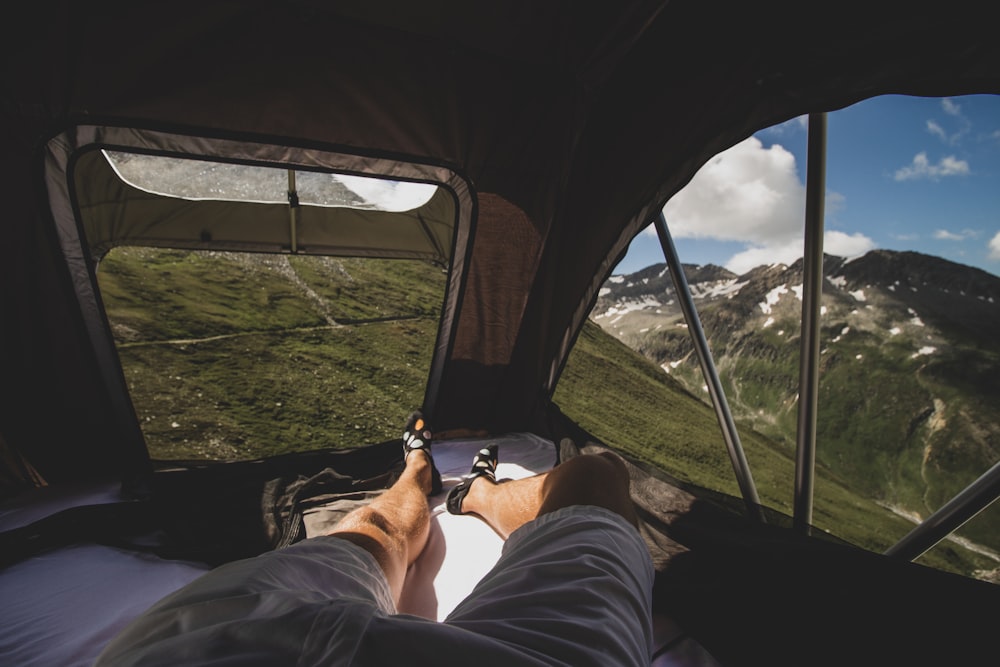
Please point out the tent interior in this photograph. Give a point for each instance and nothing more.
(509, 117)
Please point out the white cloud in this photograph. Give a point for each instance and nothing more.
(846, 245)
(747, 193)
(921, 167)
(834, 243)
(951, 107)
(389, 195)
(753, 195)
(947, 235)
(937, 130)
(755, 256)
(994, 246)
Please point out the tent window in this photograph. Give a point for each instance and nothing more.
(204, 179)
(231, 323)
(908, 358)
(239, 356)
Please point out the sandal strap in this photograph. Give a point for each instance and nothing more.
(418, 435)
(483, 465)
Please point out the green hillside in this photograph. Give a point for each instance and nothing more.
(617, 394)
(240, 357)
(906, 429)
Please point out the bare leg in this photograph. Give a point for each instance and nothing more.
(394, 527)
(599, 479)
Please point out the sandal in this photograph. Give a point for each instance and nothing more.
(417, 435)
(483, 465)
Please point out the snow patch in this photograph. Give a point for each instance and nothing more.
(843, 332)
(859, 295)
(771, 298)
(719, 288)
(629, 306)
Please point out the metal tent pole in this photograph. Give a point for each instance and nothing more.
(293, 212)
(812, 291)
(950, 517)
(722, 411)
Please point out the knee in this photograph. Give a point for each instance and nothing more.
(604, 470)
(591, 479)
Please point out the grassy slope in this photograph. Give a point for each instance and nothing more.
(233, 359)
(909, 431)
(619, 396)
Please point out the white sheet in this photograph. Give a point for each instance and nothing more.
(59, 609)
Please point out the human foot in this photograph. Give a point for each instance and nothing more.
(417, 435)
(483, 465)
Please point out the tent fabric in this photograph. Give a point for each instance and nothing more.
(585, 118)
(557, 130)
(114, 212)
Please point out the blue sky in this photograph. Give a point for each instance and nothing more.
(903, 173)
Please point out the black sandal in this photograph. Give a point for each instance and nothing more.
(417, 435)
(483, 465)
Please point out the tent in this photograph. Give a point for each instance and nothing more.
(519, 112)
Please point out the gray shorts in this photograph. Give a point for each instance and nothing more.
(572, 587)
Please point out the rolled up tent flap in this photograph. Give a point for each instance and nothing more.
(115, 212)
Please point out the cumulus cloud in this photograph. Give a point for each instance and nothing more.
(995, 246)
(834, 243)
(752, 195)
(921, 167)
(389, 195)
(777, 253)
(846, 245)
(745, 193)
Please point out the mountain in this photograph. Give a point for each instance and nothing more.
(910, 360)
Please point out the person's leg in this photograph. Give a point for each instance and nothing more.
(574, 580)
(394, 527)
(599, 479)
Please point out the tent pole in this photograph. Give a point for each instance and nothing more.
(812, 291)
(950, 517)
(293, 212)
(708, 370)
